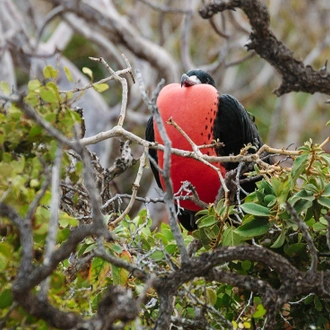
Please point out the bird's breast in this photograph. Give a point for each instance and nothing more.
(194, 110)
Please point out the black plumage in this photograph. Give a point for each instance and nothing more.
(233, 126)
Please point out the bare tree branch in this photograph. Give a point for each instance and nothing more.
(120, 31)
(295, 75)
(53, 222)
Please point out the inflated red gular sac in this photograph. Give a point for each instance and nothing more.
(196, 106)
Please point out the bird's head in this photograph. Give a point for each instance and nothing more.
(194, 77)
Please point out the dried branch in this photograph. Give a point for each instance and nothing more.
(118, 303)
(24, 227)
(35, 203)
(53, 222)
(295, 75)
(135, 187)
(185, 37)
(122, 163)
(101, 81)
(120, 31)
(164, 9)
(123, 82)
(28, 276)
(49, 17)
(293, 282)
(118, 131)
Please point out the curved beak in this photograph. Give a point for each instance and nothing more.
(189, 81)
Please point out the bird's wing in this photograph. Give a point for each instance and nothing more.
(150, 136)
(234, 127)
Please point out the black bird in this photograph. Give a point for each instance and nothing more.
(196, 106)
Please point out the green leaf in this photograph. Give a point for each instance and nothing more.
(120, 275)
(295, 249)
(48, 95)
(279, 240)
(171, 248)
(230, 237)
(157, 255)
(66, 220)
(246, 264)
(319, 226)
(318, 304)
(88, 248)
(3, 263)
(299, 166)
(35, 130)
(116, 248)
(211, 296)
(6, 249)
(101, 87)
(5, 87)
(68, 74)
(88, 72)
(49, 72)
(312, 188)
(253, 228)
(255, 209)
(98, 272)
(34, 183)
(326, 191)
(324, 201)
(302, 194)
(57, 281)
(270, 200)
(33, 85)
(207, 221)
(207, 235)
(63, 235)
(167, 233)
(281, 188)
(260, 312)
(302, 205)
(6, 298)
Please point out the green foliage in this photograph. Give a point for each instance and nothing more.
(26, 158)
(266, 220)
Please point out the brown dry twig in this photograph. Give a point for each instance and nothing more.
(295, 75)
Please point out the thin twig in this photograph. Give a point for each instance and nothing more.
(304, 230)
(135, 188)
(35, 202)
(326, 141)
(101, 81)
(185, 37)
(48, 18)
(123, 82)
(53, 223)
(118, 131)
